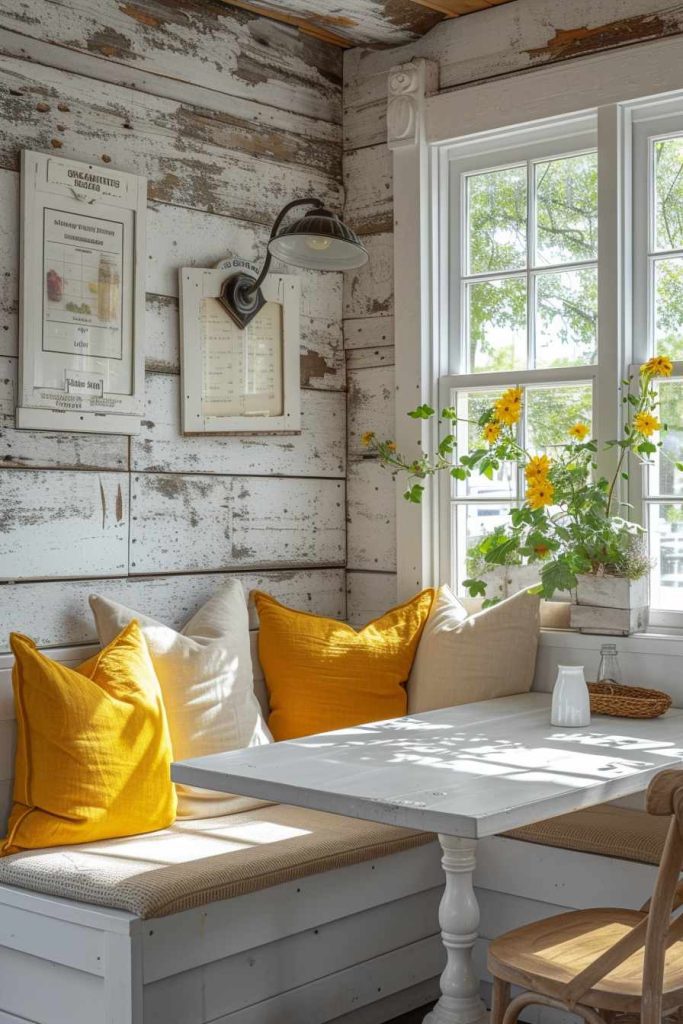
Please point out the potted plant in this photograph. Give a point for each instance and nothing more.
(569, 526)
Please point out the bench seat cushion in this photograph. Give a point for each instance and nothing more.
(605, 829)
(197, 862)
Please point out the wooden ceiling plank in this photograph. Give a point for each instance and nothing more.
(456, 8)
(308, 27)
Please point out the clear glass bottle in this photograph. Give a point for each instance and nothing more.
(609, 670)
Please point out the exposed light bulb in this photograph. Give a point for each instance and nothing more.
(318, 243)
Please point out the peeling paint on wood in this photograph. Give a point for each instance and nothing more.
(319, 451)
(368, 332)
(501, 41)
(369, 358)
(369, 595)
(58, 524)
(130, 92)
(59, 614)
(371, 517)
(191, 158)
(368, 181)
(575, 42)
(203, 523)
(370, 406)
(370, 290)
(361, 23)
(248, 59)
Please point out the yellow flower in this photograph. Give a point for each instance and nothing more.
(580, 431)
(645, 423)
(658, 366)
(514, 395)
(367, 438)
(537, 468)
(542, 550)
(390, 446)
(539, 493)
(508, 408)
(491, 432)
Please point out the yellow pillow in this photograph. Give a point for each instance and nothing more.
(323, 675)
(93, 749)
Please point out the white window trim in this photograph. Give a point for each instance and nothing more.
(422, 125)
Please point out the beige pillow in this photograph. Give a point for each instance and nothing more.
(206, 680)
(461, 658)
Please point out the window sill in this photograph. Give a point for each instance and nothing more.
(668, 643)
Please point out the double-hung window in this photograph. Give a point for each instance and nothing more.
(533, 252)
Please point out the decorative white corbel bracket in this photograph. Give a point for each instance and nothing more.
(409, 84)
(409, 87)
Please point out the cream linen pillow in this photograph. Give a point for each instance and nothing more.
(206, 680)
(461, 658)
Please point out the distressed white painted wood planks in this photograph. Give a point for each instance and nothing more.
(257, 66)
(317, 451)
(57, 611)
(61, 523)
(190, 157)
(371, 517)
(229, 116)
(182, 523)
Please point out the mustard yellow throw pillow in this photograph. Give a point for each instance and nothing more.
(323, 674)
(93, 749)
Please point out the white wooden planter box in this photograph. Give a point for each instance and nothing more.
(611, 605)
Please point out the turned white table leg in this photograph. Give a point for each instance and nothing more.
(460, 1002)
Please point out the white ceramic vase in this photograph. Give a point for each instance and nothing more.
(571, 706)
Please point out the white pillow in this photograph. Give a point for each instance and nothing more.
(206, 679)
(461, 658)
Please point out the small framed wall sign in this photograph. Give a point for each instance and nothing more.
(234, 380)
(81, 358)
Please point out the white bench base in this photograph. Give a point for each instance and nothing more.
(353, 946)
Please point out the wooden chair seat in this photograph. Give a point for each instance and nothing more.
(602, 963)
(546, 955)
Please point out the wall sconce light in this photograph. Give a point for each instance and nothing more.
(317, 241)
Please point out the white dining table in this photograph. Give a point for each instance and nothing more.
(464, 773)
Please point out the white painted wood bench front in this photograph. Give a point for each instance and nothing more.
(355, 946)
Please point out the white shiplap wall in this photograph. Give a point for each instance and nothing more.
(228, 116)
(504, 40)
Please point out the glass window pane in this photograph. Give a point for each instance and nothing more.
(496, 219)
(551, 410)
(470, 406)
(566, 209)
(668, 307)
(470, 524)
(668, 179)
(567, 318)
(665, 526)
(497, 312)
(664, 477)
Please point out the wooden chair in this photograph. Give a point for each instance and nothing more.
(600, 964)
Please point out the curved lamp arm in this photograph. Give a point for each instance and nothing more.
(274, 230)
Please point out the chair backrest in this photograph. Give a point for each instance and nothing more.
(664, 796)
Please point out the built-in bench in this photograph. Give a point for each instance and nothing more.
(279, 913)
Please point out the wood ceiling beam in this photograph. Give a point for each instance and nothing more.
(308, 27)
(455, 8)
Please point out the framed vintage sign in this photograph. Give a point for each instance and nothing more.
(234, 380)
(81, 359)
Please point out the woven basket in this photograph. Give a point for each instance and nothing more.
(627, 701)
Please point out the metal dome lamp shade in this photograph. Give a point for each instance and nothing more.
(317, 241)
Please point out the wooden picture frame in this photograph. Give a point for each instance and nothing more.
(82, 305)
(236, 381)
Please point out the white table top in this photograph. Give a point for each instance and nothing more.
(468, 771)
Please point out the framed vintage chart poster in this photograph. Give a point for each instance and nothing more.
(234, 380)
(81, 359)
